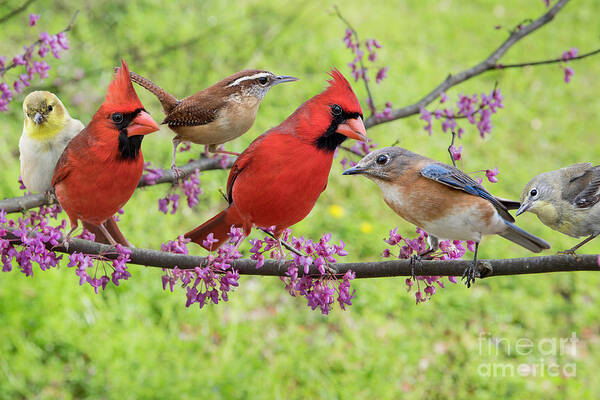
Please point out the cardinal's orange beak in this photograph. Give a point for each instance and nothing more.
(142, 124)
(353, 128)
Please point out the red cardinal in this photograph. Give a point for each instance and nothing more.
(101, 167)
(279, 177)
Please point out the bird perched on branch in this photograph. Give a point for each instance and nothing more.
(101, 167)
(47, 130)
(566, 200)
(279, 177)
(217, 114)
(441, 199)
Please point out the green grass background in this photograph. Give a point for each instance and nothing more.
(59, 340)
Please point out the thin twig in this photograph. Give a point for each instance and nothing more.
(284, 243)
(16, 11)
(39, 41)
(543, 62)
(363, 70)
(490, 63)
(23, 203)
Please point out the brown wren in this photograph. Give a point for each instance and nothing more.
(217, 114)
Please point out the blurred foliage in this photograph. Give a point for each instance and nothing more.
(61, 341)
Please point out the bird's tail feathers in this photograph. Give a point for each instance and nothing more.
(524, 238)
(167, 100)
(509, 204)
(219, 226)
(112, 228)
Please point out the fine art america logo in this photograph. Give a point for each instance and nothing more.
(526, 357)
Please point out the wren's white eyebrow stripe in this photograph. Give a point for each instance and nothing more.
(245, 78)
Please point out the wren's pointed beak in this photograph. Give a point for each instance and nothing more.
(354, 128)
(142, 124)
(524, 207)
(282, 79)
(356, 170)
(38, 118)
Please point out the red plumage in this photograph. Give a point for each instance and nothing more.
(101, 167)
(279, 177)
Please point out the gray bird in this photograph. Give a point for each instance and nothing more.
(566, 200)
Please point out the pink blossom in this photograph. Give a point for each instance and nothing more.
(443, 97)
(33, 19)
(570, 54)
(456, 152)
(381, 74)
(426, 116)
(569, 72)
(491, 174)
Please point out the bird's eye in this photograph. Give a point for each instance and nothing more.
(263, 80)
(382, 159)
(533, 192)
(49, 108)
(117, 118)
(336, 110)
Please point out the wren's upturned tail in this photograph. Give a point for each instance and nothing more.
(167, 100)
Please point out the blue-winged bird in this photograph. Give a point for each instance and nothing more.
(441, 199)
(566, 200)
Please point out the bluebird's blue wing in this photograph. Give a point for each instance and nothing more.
(456, 179)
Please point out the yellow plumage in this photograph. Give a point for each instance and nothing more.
(47, 129)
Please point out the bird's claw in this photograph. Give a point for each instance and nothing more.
(414, 260)
(65, 244)
(178, 173)
(477, 269)
(22, 207)
(330, 270)
(281, 260)
(50, 196)
(569, 252)
(469, 275)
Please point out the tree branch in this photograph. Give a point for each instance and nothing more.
(490, 63)
(201, 164)
(23, 203)
(380, 269)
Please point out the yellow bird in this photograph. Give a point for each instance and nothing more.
(47, 130)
